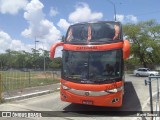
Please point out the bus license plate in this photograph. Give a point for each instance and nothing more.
(87, 102)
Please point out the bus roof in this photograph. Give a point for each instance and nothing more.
(97, 22)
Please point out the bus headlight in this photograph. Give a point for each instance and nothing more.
(115, 90)
(65, 87)
(112, 91)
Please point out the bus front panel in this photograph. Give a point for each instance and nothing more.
(101, 70)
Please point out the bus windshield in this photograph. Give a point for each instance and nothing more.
(92, 67)
(94, 32)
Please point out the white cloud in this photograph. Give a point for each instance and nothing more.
(63, 24)
(18, 45)
(127, 18)
(39, 27)
(53, 12)
(12, 6)
(6, 42)
(83, 13)
(132, 18)
(33, 11)
(120, 18)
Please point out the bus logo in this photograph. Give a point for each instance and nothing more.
(87, 93)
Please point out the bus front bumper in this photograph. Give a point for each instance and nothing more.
(92, 98)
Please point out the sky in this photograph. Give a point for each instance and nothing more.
(24, 21)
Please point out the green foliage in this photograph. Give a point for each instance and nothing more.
(56, 63)
(23, 59)
(145, 42)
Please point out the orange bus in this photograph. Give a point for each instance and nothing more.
(92, 63)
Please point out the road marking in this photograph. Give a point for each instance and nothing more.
(143, 106)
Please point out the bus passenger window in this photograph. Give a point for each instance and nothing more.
(117, 31)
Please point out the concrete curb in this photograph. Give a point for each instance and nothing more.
(25, 96)
(31, 92)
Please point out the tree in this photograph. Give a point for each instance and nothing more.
(56, 63)
(30, 60)
(145, 41)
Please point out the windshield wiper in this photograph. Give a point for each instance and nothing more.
(106, 80)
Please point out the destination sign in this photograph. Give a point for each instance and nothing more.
(86, 48)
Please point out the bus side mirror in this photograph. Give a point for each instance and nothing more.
(53, 48)
(126, 49)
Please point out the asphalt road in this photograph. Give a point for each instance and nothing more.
(135, 99)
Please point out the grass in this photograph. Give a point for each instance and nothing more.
(12, 80)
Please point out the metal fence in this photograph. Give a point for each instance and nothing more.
(154, 99)
(19, 80)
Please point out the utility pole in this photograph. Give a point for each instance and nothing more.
(36, 50)
(44, 60)
(0, 89)
(114, 7)
(35, 43)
